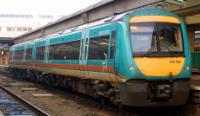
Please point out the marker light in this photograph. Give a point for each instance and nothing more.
(131, 68)
(187, 68)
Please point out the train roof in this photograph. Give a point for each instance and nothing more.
(115, 17)
(92, 24)
(23, 43)
(77, 28)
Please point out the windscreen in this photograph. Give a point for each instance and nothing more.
(156, 39)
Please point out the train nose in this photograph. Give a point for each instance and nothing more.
(157, 66)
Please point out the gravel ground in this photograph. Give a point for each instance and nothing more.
(65, 103)
(62, 103)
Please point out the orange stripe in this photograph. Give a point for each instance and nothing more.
(121, 76)
(69, 66)
(23, 63)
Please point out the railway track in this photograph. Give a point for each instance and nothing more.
(95, 106)
(100, 106)
(12, 104)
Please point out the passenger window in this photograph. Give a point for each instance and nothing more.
(98, 48)
(40, 53)
(28, 53)
(65, 51)
(18, 55)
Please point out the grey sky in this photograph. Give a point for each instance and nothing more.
(52, 7)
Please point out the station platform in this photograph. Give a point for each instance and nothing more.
(3, 65)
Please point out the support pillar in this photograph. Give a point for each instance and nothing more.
(191, 36)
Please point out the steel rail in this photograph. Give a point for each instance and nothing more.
(25, 102)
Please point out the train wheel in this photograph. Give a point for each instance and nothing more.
(36, 77)
(29, 74)
(55, 81)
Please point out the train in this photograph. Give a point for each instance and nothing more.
(139, 58)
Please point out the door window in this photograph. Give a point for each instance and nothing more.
(98, 48)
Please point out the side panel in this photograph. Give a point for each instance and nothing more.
(63, 54)
(123, 57)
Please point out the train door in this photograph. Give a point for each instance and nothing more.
(33, 54)
(98, 54)
(83, 53)
(40, 52)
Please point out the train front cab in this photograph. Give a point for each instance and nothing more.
(159, 71)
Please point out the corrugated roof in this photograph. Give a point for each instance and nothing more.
(91, 7)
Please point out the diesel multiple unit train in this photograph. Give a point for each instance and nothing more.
(137, 58)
